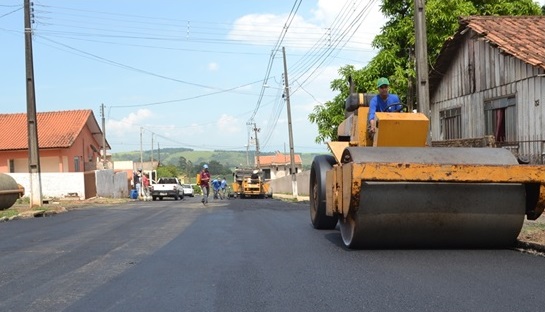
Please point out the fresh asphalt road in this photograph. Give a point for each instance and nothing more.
(242, 255)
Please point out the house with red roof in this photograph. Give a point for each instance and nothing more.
(69, 141)
(489, 80)
(279, 165)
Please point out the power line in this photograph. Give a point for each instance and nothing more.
(290, 18)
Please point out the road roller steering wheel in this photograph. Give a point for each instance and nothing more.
(402, 108)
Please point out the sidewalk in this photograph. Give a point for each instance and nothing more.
(290, 196)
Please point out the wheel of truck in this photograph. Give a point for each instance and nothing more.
(319, 219)
(154, 197)
(176, 197)
(160, 197)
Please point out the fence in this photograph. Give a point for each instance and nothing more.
(530, 151)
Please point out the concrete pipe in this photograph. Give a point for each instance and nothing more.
(10, 191)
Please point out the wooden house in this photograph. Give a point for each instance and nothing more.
(489, 79)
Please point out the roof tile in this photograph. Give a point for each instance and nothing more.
(57, 129)
(520, 36)
(278, 159)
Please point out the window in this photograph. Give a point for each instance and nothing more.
(500, 118)
(11, 166)
(76, 164)
(451, 123)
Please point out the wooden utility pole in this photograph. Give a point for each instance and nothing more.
(288, 108)
(32, 124)
(421, 49)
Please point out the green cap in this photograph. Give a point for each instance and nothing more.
(382, 81)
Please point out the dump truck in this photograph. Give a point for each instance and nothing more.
(249, 182)
(391, 190)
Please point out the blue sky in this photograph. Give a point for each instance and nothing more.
(189, 73)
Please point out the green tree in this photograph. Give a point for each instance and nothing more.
(331, 114)
(395, 58)
(167, 171)
(185, 166)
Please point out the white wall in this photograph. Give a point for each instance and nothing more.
(54, 184)
(60, 184)
(283, 185)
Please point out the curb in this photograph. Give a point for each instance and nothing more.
(33, 214)
(291, 197)
(528, 246)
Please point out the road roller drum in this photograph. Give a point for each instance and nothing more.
(10, 191)
(433, 214)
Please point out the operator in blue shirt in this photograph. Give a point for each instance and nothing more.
(382, 102)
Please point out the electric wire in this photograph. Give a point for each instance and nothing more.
(330, 40)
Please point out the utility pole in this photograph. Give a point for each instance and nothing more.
(421, 46)
(292, 153)
(248, 123)
(256, 130)
(32, 125)
(158, 155)
(152, 151)
(247, 156)
(103, 137)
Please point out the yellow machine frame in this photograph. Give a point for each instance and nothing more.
(343, 182)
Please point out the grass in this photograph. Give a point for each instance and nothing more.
(532, 228)
(10, 212)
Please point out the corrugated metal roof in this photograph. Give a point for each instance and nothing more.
(55, 129)
(520, 36)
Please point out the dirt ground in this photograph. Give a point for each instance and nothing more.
(532, 233)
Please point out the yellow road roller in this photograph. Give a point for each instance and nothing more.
(390, 190)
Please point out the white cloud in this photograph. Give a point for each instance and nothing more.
(213, 66)
(127, 124)
(327, 23)
(326, 11)
(263, 29)
(228, 124)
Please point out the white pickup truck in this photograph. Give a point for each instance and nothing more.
(167, 187)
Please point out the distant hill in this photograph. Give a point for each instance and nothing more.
(231, 159)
